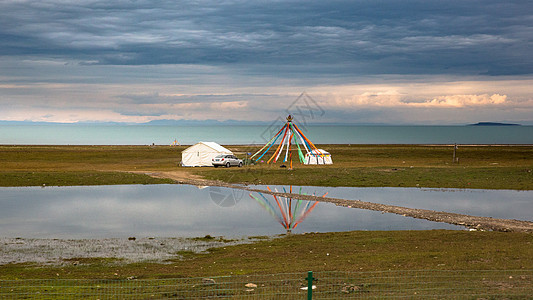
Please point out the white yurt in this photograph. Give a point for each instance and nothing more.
(320, 157)
(201, 154)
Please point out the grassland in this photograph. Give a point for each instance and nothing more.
(344, 251)
(503, 167)
(494, 167)
(83, 165)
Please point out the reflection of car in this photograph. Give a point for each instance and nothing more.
(227, 160)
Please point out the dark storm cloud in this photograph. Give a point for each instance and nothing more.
(291, 37)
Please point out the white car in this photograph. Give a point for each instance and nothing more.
(227, 160)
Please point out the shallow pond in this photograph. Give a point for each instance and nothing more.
(188, 211)
(505, 204)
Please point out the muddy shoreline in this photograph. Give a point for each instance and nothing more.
(121, 250)
(473, 222)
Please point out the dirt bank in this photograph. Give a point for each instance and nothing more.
(479, 223)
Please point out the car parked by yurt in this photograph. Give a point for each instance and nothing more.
(227, 161)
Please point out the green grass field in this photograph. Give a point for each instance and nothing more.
(342, 251)
(494, 167)
(84, 165)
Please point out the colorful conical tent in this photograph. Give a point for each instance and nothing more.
(288, 212)
(290, 134)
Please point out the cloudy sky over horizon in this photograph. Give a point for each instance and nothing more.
(397, 62)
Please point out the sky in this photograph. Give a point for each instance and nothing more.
(362, 62)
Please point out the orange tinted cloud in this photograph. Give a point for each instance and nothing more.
(396, 99)
(464, 101)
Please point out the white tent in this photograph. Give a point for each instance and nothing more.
(320, 157)
(201, 154)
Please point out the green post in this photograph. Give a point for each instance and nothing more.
(310, 285)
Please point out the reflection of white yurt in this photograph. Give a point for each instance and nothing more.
(201, 154)
(318, 157)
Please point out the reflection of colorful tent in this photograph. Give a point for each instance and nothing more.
(288, 212)
(290, 135)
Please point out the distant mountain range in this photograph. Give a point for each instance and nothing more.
(202, 122)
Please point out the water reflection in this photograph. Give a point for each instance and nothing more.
(169, 211)
(505, 204)
(287, 212)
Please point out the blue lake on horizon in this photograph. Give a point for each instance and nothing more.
(76, 134)
(189, 211)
